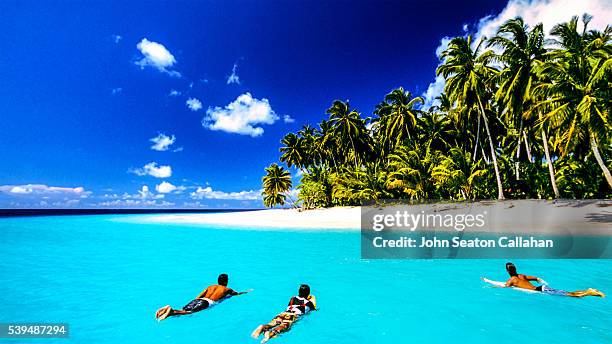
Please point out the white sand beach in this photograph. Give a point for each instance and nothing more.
(346, 218)
(519, 216)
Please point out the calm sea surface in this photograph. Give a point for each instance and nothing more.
(106, 275)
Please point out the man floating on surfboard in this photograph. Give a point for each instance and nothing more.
(298, 306)
(524, 282)
(205, 299)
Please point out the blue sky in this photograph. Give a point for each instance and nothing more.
(86, 86)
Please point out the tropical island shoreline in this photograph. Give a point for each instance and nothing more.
(592, 217)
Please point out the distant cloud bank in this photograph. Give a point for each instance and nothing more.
(42, 189)
(209, 193)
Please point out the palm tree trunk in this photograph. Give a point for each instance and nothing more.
(551, 168)
(527, 149)
(600, 161)
(334, 160)
(354, 150)
(518, 151)
(477, 137)
(500, 189)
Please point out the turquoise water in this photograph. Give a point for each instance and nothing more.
(106, 276)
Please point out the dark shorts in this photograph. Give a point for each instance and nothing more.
(196, 305)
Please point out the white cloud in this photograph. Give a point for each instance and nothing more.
(144, 193)
(43, 189)
(157, 56)
(153, 170)
(288, 119)
(194, 104)
(437, 87)
(433, 90)
(116, 90)
(116, 38)
(547, 12)
(161, 142)
(196, 204)
(209, 193)
(234, 78)
(165, 187)
(241, 116)
(174, 93)
(120, 203)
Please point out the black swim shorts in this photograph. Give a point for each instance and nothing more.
(196, 305)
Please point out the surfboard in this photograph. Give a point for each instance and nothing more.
(503, 285)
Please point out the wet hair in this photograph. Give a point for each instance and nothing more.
(222, 280)
(304, 291)
(511, 269)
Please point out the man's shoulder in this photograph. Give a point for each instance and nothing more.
(219, 287)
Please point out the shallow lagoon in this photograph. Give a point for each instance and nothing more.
(106, 276)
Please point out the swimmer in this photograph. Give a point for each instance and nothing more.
(205, 299)
(298, 306)
(524, 282)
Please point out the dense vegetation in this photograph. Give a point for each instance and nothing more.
(521, 116)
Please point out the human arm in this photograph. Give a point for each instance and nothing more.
(534, 278)
(313, 302)
(232, 292)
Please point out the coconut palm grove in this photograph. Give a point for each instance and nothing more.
(524, 114)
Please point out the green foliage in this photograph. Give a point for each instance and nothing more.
(526, 120)
(276, 184)
(313, 195)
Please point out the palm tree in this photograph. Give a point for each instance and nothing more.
(307, 136)
(578, 88)
(410, 171)
(467, 73)
(552, 104)
(353, 185)
(325, 145)
(522, 49)
(398, 117)
(435, 130)
(350, 129)
(293, 152)
(276, 185)
(459, 175)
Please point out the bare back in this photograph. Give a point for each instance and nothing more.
(521, 281)
(215, 292)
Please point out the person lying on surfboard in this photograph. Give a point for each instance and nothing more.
(298, 306)
(524, 281)
(205, 299)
